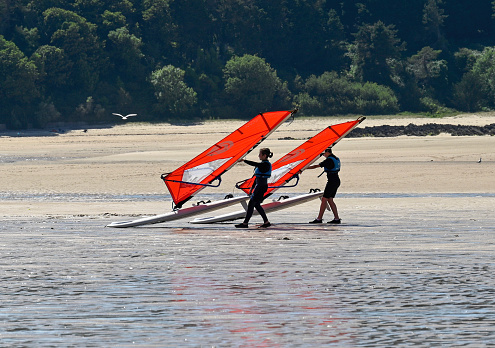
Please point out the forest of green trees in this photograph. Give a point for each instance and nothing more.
(81, 60)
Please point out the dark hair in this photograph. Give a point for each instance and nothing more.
(266, 151)
(328, 149)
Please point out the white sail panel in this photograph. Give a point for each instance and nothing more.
(280, 172)
(199, 173)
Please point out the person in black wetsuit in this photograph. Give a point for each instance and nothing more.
(331, 165)
(262, 172)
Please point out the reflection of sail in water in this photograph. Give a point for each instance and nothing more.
(266, 306)
(207, 167)
(303, 156)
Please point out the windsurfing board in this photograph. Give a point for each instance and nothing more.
(180, 213)
(268, 207)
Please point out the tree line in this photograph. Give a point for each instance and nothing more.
(80, 60)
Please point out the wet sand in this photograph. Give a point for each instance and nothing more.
(412, 263)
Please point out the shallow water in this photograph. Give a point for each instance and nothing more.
(98, 197)
(381, 279)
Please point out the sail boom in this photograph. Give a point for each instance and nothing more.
(194, 183)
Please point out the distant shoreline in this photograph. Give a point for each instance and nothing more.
(428, 129)
(474, 124)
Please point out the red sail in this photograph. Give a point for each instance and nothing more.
(303, 156)
(207, 167)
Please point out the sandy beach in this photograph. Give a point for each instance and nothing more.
(411, 265)
(129, 159)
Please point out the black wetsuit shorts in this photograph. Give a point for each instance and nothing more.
(333, 184)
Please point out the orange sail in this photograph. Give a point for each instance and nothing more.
(207, 167)
(288, 167)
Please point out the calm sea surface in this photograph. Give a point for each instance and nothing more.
(424, 277)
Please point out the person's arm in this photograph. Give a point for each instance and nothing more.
(251, 163)
(319, 165)
(314, 166)
(328, 163)
(263, 166)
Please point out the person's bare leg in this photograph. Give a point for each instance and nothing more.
(333, 206)
(323, 207)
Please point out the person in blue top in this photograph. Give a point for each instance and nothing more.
(331, 165)
(262, 172)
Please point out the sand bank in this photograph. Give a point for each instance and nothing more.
(128, 159)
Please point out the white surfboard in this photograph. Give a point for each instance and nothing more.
(180, 213)
(268, 207)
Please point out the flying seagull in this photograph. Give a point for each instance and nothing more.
(124, 117)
